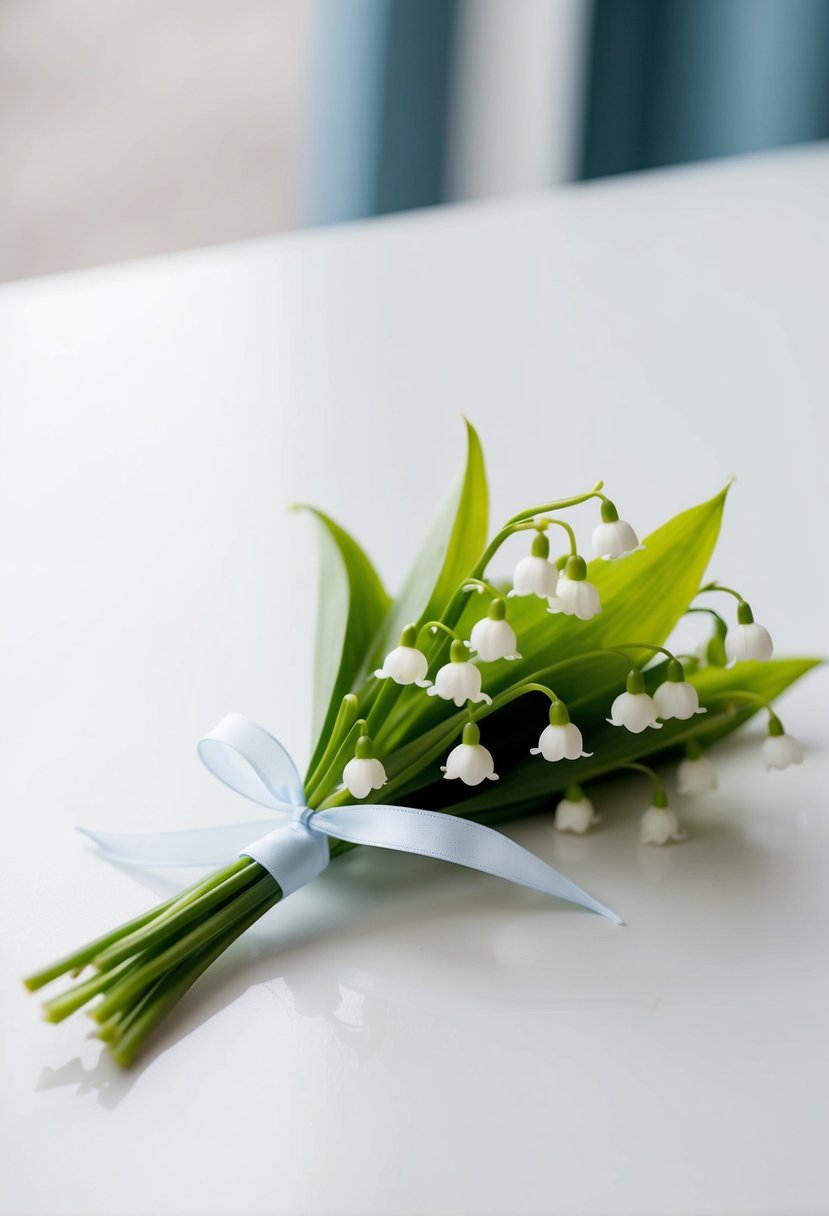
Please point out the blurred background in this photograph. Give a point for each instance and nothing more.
(134, 127)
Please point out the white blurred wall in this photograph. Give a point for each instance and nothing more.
(132, 127)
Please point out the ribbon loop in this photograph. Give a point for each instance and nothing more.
(249, 760)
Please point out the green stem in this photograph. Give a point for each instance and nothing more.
(709, 612)
(343, 723)
(170, 990)
(60, 1007)
(381, 710)
(80, 958)
(478, 584)
(123, 993)
(511, 694)
(560, 505)
(644, 646)
(333, 774)
(720, 587)
(561, 524)
(434, 626)
(169, 926)
(752, 698)
(658, 787)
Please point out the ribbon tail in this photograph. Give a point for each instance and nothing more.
(461, 841)
(192, 847)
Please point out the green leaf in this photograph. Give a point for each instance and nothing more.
(454, 543)
(352, 606)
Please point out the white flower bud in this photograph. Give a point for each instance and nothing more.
(458, 680)
(659, 825)
(676, 698)
(363, 774)
(634, 709)
(536, 574)
(470, 761)
(492, 637)
(779, 749)
(561, 740)
(575, 596)
(613, 537)
(747, 640)
(575, 813)
(405, 664)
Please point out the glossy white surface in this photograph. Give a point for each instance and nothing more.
(404, 1037)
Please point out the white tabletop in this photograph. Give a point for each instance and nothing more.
(403, 1036)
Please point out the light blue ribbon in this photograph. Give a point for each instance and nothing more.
(252, 762)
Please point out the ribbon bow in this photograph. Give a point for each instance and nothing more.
(252, 762)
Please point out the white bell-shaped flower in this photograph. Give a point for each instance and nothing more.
(492, 637)
(659, 824)
(405, 664)
(747, 640)
(575, 596)
(470, 761)
(613, 537)
(676, 698)
(536, 574)
(458, 680)
(695, 775)
(575, 813)
(779, 749)
(363, 774)
(561, 740)
(634, 709)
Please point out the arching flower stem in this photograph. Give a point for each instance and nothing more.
(660, 798)
(479, 585)
(560, 504)
(752, 698)
(510, 694)
(434, 626)
(559, 523)
(522, 521)
(645, 646)
(710, 612)
(719, 587)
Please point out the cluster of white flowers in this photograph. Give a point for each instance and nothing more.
(565, 587)
(635, 710)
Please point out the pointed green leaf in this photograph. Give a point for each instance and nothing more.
(454, 543)
(352, 606)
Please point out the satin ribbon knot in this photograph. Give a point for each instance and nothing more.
(253, 763)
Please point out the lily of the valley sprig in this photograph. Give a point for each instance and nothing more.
(486, 698)
(564, 584)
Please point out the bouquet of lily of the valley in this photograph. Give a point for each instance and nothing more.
(460, 704)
